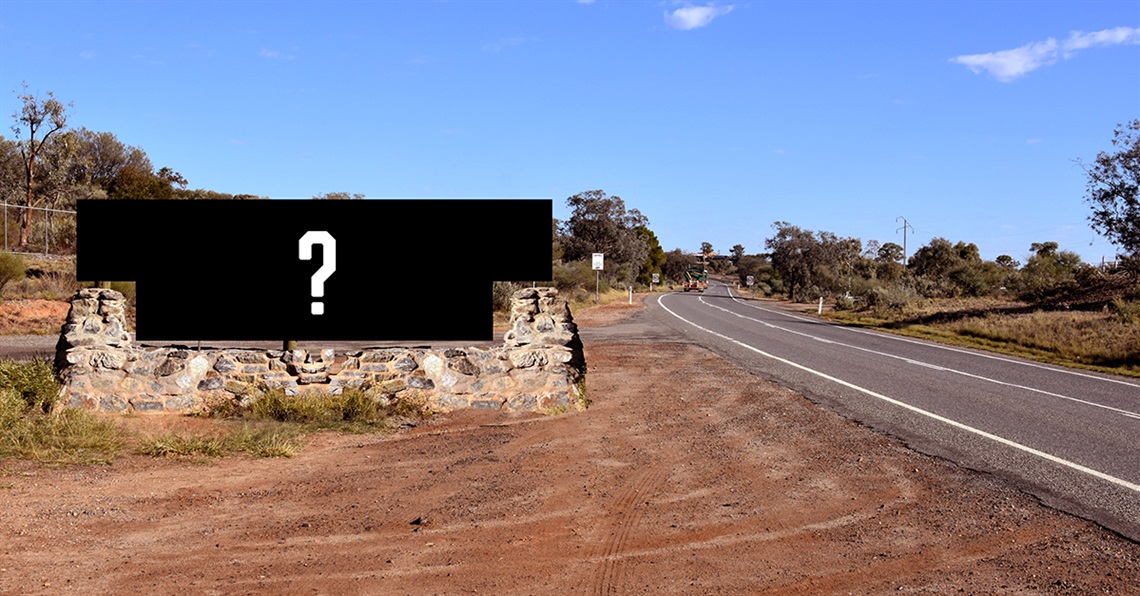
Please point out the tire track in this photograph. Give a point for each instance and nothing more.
(607, 574)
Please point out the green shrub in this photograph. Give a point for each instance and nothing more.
(174, 445)
(12, 268)
(501, 292)
(352, 408)
(34, 382)
(890, 299)
(1127, 310)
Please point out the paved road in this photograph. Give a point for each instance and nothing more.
(1070, 437)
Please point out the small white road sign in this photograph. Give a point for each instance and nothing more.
(599, 258)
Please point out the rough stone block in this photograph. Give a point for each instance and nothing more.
(211, 384)
(225, 365)
(253, 358)
(462, 366)
(307, 379)
(449, 401)
(393, 386)
(420, 383)
(523, 402)
(377, 357)
(83, 401)
(199, 365)
(237, 387)
(112, 403)
(182, 403)
(555, 401)
(169, 367)
(147, 405)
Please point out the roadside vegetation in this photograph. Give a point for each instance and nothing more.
(1054, 308)
(33, 425)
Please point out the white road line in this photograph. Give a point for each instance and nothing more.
(925, 364)
(1002, 440)
(1066, 371)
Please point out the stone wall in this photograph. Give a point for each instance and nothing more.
(540, 367)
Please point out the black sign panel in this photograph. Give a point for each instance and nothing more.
(314, 269)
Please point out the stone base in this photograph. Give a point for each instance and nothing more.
(539, 368)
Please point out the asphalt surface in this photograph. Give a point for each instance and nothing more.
(1069, 437)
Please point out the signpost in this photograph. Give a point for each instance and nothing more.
(599, 264)
(656, 280)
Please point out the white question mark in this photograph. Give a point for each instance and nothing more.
(326, 240)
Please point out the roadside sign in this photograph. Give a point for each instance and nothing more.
(598, 260)
(656, 278)
(750, 280)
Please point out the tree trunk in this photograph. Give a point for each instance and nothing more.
(26, 214)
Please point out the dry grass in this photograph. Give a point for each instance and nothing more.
(34, 426)
(1107, 340)
(1091, 338)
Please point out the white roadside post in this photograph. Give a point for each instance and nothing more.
(599, 264)
(820, 311)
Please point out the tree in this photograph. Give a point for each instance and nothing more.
(889, 252)
(339, 196)
(1049, 271)
(1007, 262)
(792, 251)
(37, 121)
(1113, 189)
(707, 250)
(655, 257)
(954, 269)
(676, 262)
(737, 252)
(601, 223)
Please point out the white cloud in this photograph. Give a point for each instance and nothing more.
(691, 17)
(1008, 65)
(267, 53)
(87, 55)
(585, 1)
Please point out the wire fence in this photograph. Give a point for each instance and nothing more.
(38, 230)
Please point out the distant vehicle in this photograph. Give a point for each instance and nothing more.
(696, 279)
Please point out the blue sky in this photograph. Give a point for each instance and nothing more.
(714, 120)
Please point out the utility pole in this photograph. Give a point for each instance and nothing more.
(905, 225)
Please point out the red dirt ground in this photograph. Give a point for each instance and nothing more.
(685, 475)
(32, 316)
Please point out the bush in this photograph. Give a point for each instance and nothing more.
(1127, 310)
(844, 302)
(34, 382)
(501, 292)
(12, 268)
(890, 299)
(574, 275)
(353, 407)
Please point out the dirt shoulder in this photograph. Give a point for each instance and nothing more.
(686, 475)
